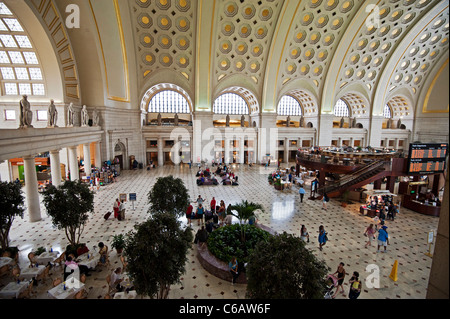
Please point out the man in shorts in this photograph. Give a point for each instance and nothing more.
(383, 238)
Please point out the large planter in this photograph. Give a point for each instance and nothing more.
(278, 187)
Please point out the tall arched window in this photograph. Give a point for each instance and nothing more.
(289, 106)
(230, 103)
(341, 109)
(387, 112)
(19, 65)
(168, 101)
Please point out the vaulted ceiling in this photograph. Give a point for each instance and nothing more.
(368, 53)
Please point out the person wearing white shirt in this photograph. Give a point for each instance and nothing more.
(116, 279)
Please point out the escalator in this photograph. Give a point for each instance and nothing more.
(365, 175)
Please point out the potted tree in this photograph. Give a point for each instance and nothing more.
(277, 184)
(118, 242)
(157, 254)
(296, 278)
(169, 195)
(69, 206)
(11, 203)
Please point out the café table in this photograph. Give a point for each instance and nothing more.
(46, 257)
(124, 295)
(73, 286)
(5, 261)
(126, 283)
(13, 289)
(32, 272)
(89, 259)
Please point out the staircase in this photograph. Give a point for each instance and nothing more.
(361, 177)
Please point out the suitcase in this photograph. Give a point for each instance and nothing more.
(107, 215)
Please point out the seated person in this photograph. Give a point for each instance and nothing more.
(82, 249)
(70, 266)
(228, 219)
(103, 252)
(116, 279)
(209, 226)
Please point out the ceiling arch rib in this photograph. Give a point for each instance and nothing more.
(314, 37)
(245, 31)
(400, 59)
(165, 36)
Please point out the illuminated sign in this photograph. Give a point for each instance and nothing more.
(427, 159)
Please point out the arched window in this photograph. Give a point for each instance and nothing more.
(168, 101)
(289, 106)
(230, 103)
(387, 112)
(341, 109)
(19, 65)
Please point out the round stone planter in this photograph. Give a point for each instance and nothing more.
(218, 267)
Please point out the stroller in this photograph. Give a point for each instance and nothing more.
(331, 282)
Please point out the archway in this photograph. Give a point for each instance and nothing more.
(120, 155)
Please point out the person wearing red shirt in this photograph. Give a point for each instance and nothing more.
(213, 205)
(189, 213)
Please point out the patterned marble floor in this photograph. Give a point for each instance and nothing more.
(283, 212)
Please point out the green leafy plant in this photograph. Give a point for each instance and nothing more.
(39, 251)
(282, 268)
(169, 195)
(157, 254)
(244, 211)
(225, 242)
(11, 206)
(69, 206)
(118, 242)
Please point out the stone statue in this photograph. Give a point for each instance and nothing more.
(52, 117)
(95, 118)
(354, 122)
(228, 121)
(84, 116)
(341, 125)
(302, 121)
(26, 116)
(399, 123)
(175, 121)
(159, 119)
(70, 115)
(242, 120)
(288, 121)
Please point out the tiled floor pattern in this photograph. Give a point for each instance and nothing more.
(283, 212)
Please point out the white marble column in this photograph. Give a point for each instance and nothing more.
(286, 150)
(160, 152)
(55, 166)
(227, 151)
(31, 190)
(87, 159)
(241, 150)
(98, 155)
(73, 164)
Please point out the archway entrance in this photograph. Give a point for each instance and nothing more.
(120, 154)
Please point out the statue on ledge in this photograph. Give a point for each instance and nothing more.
(159, 119)
(228, 121)
(242, 120)
(175, 121)
(84, 116)
(52, 115)
(341, 125)
(70, 115)
(26, 115)
(95, 118)
(302, 121)
(288, 121)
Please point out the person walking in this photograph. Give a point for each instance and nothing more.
(116, 208)
(304, 234)
(302, 193)
(340, 272)
(233, 266)
(325, 200)
(355, 286)
(323, 238)
(370, 234)
(383, 238)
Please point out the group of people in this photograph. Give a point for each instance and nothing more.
(222, 173)
(119, 209)
(72, 258)
(386, 207)
(354, 282)
(216, 216)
